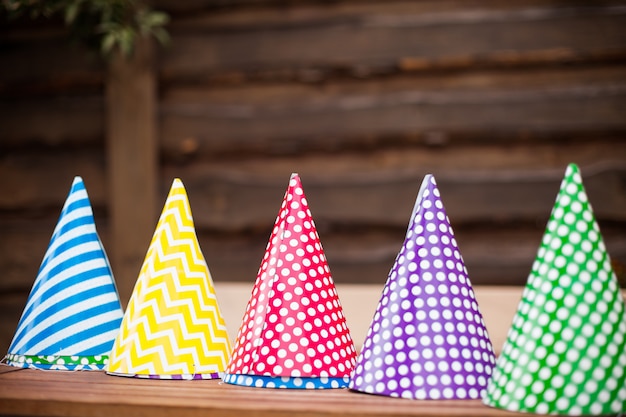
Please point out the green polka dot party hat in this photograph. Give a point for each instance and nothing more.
(565, 352)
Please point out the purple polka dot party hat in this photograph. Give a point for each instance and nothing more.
(565, 353)
(427, 339)
(73, 312)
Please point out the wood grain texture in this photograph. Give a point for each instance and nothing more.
(39, 179)
(132, 152)
(86, 394)
(478, 183)
(535, 106)
(362, 38)
(58, 393)
(52, 121)
(385, 197)
(291, 119)
(46, 63)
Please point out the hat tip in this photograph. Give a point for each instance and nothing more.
(572, 166)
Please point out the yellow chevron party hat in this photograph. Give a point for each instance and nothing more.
(172, 328)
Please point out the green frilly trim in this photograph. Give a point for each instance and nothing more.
(58, 362)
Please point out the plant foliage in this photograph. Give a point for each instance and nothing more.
(106, 24)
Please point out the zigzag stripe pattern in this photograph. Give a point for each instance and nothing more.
(73, 308)
(173, 325)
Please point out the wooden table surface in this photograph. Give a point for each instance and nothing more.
(94, 393)
(90, 393)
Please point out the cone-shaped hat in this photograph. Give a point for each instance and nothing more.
(73, 312)
(293, 333)
(566, 349)
(172, 328)
(427, 339)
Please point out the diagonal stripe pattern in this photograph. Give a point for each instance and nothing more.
(173, 326)
(73, 312)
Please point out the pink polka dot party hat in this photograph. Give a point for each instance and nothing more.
(293, 333)
(73, 312)
(173, 327)
(565, 353)
(427, 339)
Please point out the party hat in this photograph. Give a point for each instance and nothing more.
(293, 333)
(172, 328)
(73, 312)
(565, 352)
(427, 339)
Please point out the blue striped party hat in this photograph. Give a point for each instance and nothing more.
(73, 312)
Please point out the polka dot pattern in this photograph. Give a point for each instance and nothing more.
(58, 362)
(294, 324)
(566, 349)
(286, 382)
(427, 339)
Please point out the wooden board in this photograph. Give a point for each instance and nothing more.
(246, 40)
(44, 61)
(480, 183)
(53, 121)
(86, 394)
(361, 38)
(132, 154)
(507, 108)
(460, 110)
(58, 393)
(36, 179)
(385, 197)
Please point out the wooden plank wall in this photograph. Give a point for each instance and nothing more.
(362, 98)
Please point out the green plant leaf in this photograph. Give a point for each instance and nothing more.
(109, 24)
(108, 42)
(157, 19)
(71, 11)
(161, 35)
